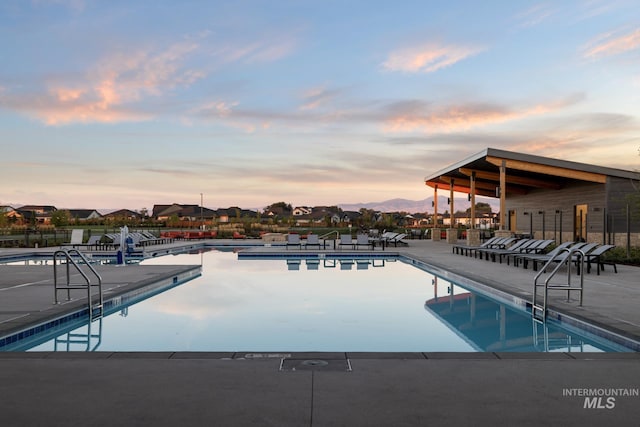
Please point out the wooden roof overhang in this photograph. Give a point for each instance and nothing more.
(523, 173)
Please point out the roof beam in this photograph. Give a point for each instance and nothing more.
(512, 179)
(444, 185)
(465, 184)
(548, 170)
(479, 191)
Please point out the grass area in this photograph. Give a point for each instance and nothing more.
(619, 256)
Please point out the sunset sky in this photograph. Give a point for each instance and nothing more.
(125, 104)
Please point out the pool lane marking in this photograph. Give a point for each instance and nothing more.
(15, 318)
(24, 284)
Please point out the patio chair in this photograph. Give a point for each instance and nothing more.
(293, 240)
(345, 240)
(363, 240)
(313, 240)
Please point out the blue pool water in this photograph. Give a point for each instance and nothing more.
(315, 305)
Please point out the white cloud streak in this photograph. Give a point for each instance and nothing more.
(428, 58)
(611, 44)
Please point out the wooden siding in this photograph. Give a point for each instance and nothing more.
(550, 201)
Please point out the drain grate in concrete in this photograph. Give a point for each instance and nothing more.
(335, 365)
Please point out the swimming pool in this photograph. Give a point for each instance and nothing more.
(321, 304)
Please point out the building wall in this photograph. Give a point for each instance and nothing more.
(552, 202)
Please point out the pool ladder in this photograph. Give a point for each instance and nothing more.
(95, 310)
(539, 311)
(85, 340)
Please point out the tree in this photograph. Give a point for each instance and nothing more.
(481, 208)
(280, 206)
(60, 218)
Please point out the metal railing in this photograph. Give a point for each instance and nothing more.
(89, 340)
(561, 260)
(336, 232)
(68, 286)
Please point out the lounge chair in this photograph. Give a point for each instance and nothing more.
(293, 240)
(383, 239)
(529, 246)
(499, 243)
(464, 249)
(543, 258)
(398, 238)
(94, 241)
(596, 256)
(346, 240)
(77, 236)
(499, 252)
(313, 240)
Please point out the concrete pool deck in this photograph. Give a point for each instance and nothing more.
(245, 388)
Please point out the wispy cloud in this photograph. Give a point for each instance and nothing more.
(613, 43)
(318, 97)
(254, 52)
(534, 16)
(417, 116)
(428, 58)
(106, 93)
(402, 116)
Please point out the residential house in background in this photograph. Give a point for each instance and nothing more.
(84, 214)
(234, 212)
(182, 212)
(302, 210)
(11, 213)
(38, 214)
(124, 214)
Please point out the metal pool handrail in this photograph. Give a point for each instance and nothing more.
(566, 259)
(68, 286)
(336, 232)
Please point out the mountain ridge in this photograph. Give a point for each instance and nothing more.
(417, 206)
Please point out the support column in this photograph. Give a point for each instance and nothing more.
(473, 234)
(503, 232)
(435, 234)
(452, 231)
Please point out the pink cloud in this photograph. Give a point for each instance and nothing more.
(108, 92)
(608, 44)
(428, 59)
(466, 116)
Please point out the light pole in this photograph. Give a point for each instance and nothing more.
(530, 214)
(543, 223)
(558, 212)
(201, 213)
